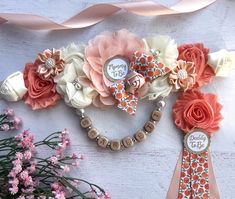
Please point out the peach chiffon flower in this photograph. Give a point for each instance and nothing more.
(198, 54)
(196, 110)
(41, 93)
(98, 51)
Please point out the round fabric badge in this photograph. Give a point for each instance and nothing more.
(116, 68)
(197, 141)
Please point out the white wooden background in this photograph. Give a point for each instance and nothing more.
(145, 171)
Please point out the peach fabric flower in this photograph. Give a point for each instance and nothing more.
(41, 93)
(183, 75)
(49, 63)
(196, 110)
(98, 51)
(198, 54)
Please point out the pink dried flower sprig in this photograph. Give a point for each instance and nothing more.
(8, 120)
(24, 174)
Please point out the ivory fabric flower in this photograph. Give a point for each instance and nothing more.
(99, 50)
(13, 87)
(183, 75)
(49, 63)
(159, 87)
(222, 62)
(196, 110)
(197, 54)
(41, 93)
(69, 82)
(164, 48)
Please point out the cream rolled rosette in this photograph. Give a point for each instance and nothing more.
(13, 87)
(69, 82)
(165, 50)
(222, 62)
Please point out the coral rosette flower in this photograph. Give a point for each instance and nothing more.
(99, 50)
(49, 63)
(41, 93)
(196, 110)
(198, 54)
(183, 75)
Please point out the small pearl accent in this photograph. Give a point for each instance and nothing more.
(50, 63)
(76, 84)
(155, 52)
(182, 74)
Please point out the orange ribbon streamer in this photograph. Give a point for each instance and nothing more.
(98, 12)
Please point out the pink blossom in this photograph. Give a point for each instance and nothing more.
(12, 174)
(29, 181)
(53, 160)
(9, 112)
(24, 175)
(14, 190)
(65, 168)
(32, 168)
(17, 122)
(19, 155)
(21, 197)
(27, 155)
(14, 182)
(5, 127)
(17, 168)
(74, 156)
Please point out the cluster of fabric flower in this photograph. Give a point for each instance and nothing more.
(156, 66)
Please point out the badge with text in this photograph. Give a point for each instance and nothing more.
(116, 68)
(197, 141)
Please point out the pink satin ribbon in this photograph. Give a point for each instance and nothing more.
(97, 13)
(174, 186)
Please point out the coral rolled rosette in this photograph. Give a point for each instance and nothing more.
(197, 54)
(41, 93)
(103, 47)
(196, 110)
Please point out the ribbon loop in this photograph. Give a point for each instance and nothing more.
(97, 13)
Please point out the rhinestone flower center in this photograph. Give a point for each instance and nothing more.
(50, 63)
(182, 74)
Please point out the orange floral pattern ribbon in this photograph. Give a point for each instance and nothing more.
(194, 177)
(97, 13)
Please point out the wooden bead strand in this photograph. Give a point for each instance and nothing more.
(128, 141)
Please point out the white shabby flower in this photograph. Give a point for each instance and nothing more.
(164, 47)
(222, 62)
(69, 81)
(13, 87)
(159, 87)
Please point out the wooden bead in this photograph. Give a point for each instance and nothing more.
(93, 133)
(128, 142)
(140, 136)
(115, 145)
(85, 122)
(149, 126)
(156, 115)
(103, 141)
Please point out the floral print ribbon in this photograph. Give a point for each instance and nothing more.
(144, 68)
(194, 177)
